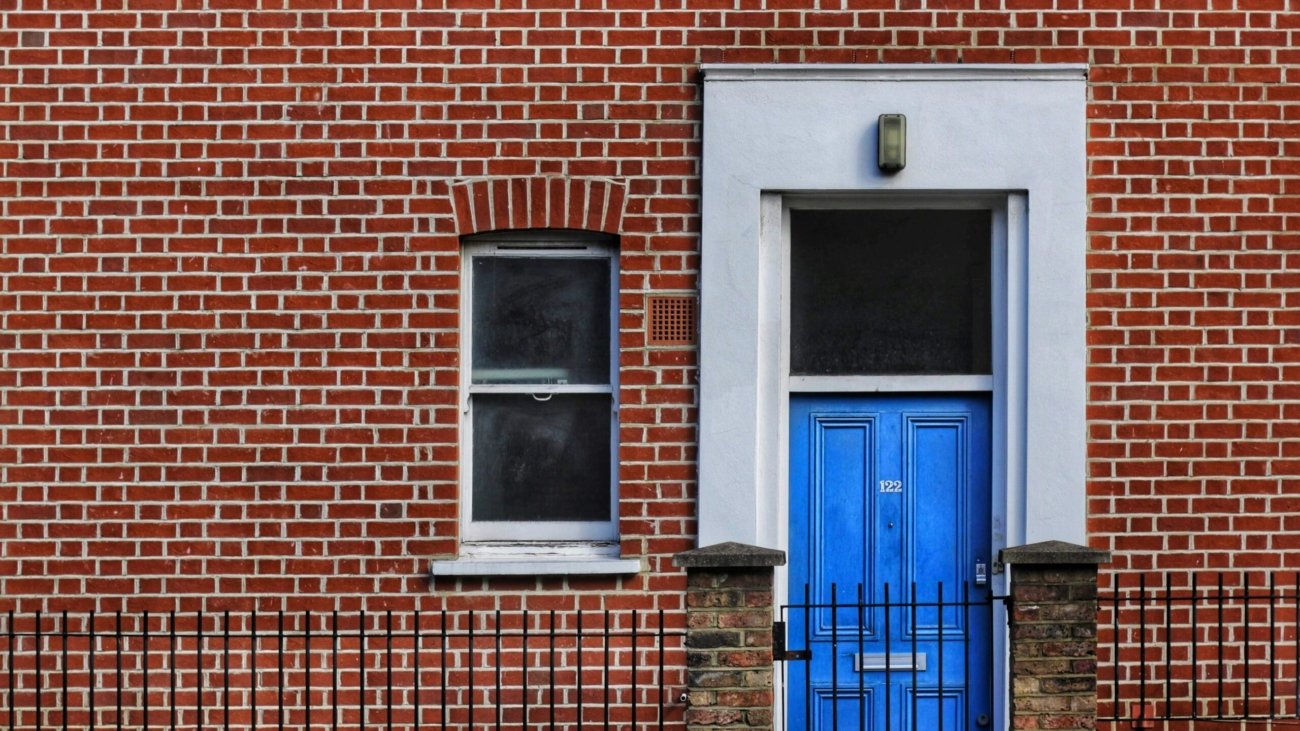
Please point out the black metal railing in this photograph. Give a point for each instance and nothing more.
(898, 628)
(330, 670)
(1191, 647)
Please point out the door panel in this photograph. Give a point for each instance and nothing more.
(935, 510)
(844, 511)
(889, 494)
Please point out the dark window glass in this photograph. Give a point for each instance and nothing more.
(542, 460)
(876, 292)
(540, 320)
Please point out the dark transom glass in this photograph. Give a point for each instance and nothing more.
(885, 292)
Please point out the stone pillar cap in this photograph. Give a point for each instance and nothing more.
(729, 555)
(1053, 553)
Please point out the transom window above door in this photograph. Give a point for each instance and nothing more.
(890, 292)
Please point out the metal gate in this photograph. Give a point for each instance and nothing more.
(879, 675)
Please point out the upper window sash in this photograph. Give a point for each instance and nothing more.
(540, 319)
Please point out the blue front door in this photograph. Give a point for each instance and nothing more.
(889, 493)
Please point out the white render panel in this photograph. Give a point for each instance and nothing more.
(1001, 130)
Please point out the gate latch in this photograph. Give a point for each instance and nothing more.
(779, 653)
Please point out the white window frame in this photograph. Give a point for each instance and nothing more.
(533, 245)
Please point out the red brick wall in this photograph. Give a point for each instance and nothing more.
(228, 347)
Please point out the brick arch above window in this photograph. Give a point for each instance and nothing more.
(495, 204)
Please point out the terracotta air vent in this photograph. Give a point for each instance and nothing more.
(671, 319)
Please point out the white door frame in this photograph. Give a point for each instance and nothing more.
(1007, 224)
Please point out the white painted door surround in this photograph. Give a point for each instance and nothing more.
(1009, 138)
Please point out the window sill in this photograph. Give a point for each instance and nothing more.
(522, 559)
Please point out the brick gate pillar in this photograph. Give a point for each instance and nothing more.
(729, 636)
(1053, 617)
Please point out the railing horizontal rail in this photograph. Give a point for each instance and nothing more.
(301, 635)
(1134, 595)
(894, 605)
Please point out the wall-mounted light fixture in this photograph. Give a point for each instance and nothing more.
(891, 142)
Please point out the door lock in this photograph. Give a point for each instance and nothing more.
(981, 572)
